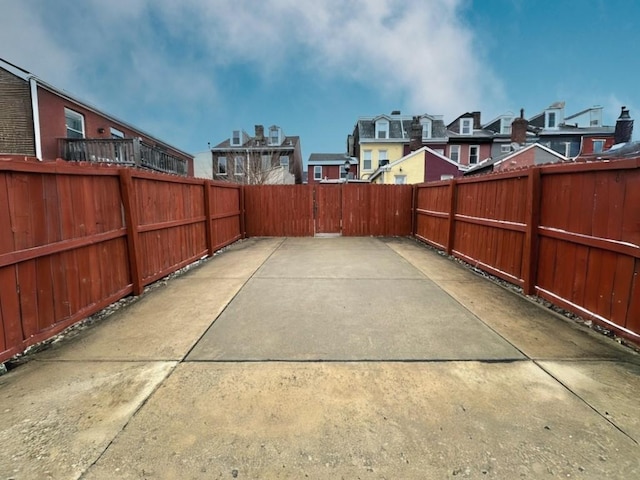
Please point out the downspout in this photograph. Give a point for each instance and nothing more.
(33, 84)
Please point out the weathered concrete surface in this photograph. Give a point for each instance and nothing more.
(490, 386)
(367, 420)
(56, 419)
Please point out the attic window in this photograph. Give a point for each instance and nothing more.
(235, 138)
(466, 126)
(505, 127)
(426, 128)
(382, 129)
(274, 136)
(550, 120)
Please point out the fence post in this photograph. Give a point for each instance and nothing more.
(243, 220)
(530, 250)
(208, 227)
(414, 210)
(451, 224)
(131, 219)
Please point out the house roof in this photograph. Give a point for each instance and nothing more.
(399, 127)
(618, 151)
(411, 155)
(27, 76)
(490, 162)
(288, 143)
(330, 159)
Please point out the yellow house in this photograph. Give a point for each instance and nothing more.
(423, 165)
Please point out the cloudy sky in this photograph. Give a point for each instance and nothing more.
(191, 71)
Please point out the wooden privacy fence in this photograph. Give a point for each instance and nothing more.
(568, 233)
(74, 239)
(360, 209)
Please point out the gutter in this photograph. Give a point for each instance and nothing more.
(33, 85)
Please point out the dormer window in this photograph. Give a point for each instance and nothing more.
(550, 119)
(595, 117)
(382, 129)
(235, 138)
(505, 125)
(426, 128)
(274, 136)
(466, 126)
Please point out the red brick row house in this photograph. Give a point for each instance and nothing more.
(42, 121)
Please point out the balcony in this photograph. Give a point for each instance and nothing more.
(125, 152)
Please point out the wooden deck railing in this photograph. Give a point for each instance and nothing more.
(127, 151)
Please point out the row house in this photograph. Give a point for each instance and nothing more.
(42, 121)
(274, 158)
(323, 167)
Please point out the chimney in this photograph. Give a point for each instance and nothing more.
(624, 127)
(519, 129)
(476, 120)
(259, 132)
(415, 142)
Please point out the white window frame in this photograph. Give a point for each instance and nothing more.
(400, 179)
(505, 148)
(238, 164)
(477, 155)
(116, 134)
(446, 176)
(466, 126)
(222, 161)
(547, 119)
(265, 161)
(454, 149)
(284, 161)
(277, 137)
(382, 155)
(382, 127)
(366, 157)
(505, 125)
(439, 150)
(426, 128)
(600, 141)
(317, 172)
(233, 137)
(72, 114)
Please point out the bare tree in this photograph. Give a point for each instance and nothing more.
(253, 166)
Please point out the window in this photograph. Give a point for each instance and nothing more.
(317, 172)
(426, 128)
(400, 179)
(551, 120)
(343, 172)
(284, 161)
(75, 124)
(366, 160)
(466, 126)
(505, 125)
(116, 134)
(439, 151)
(382, 155)
(235, 138)
(506, 148)
(222, 165)
(595, 117)
(598, 146)
(454, 153)
(473, 154)
(239, 165)
(382, 129)
(274, 135)
(266, 162)
(446, 177)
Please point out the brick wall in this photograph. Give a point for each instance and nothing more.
(16, 116)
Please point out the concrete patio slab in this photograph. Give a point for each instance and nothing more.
(339, 319)
(56, 419)
(537, 332)
(611, 388)
(382, 420)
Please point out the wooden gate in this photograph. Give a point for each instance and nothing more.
(328, 208)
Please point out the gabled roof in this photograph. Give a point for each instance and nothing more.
(288, 143)
(330, 159)
(490, 162)
(27, 76)
(399, 127)
(410, 155)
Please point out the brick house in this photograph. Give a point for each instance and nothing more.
(42, 121)
(330, 166)
(260, 159)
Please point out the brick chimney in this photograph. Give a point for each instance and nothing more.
(415, 142)
(624, 127)
(519, 129)
(259, 132)
(476, 120)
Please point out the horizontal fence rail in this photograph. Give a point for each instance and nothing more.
(567, 233)
(76, 238)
